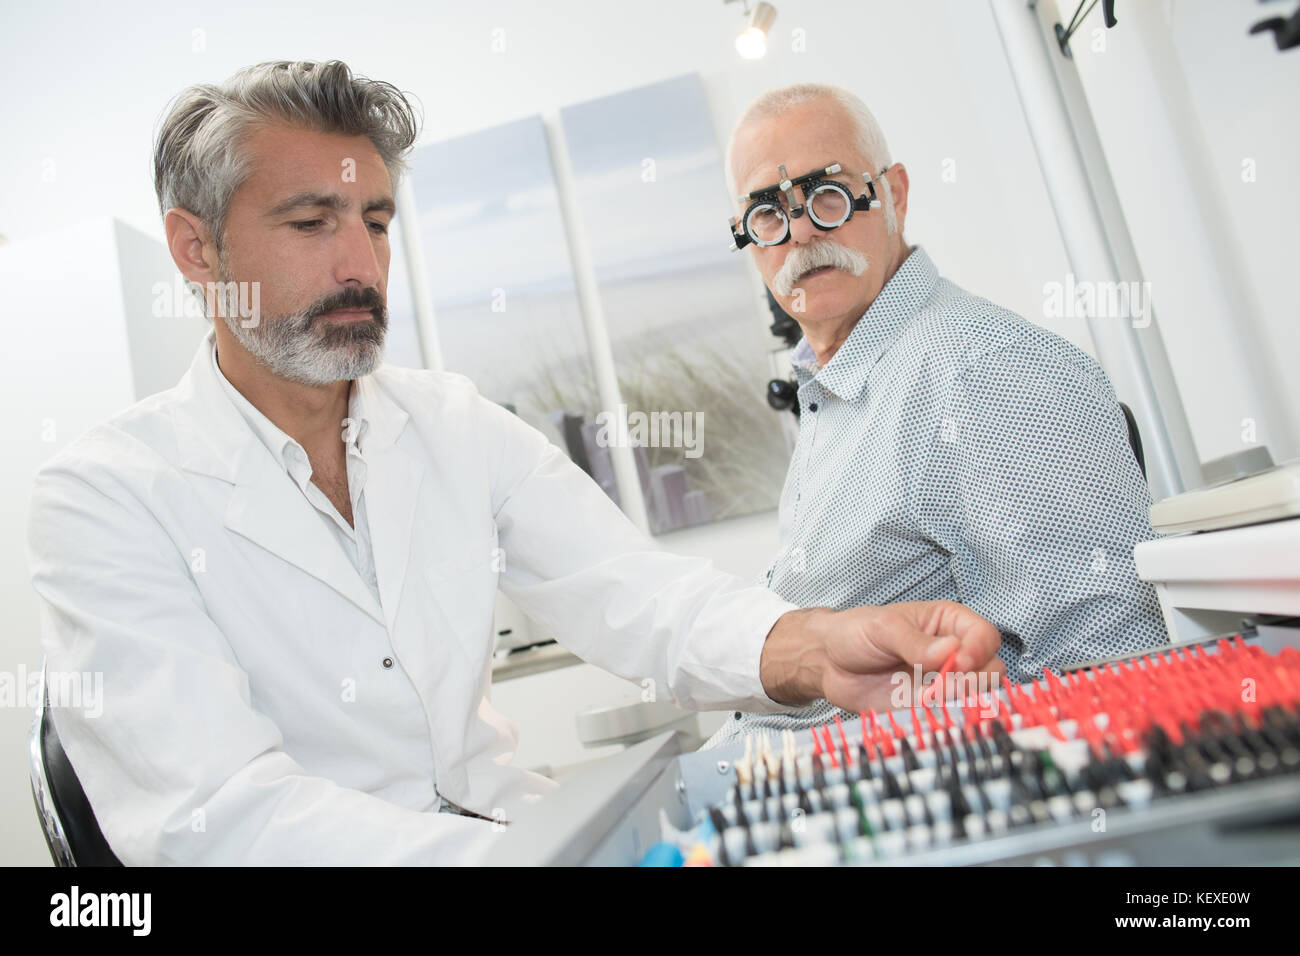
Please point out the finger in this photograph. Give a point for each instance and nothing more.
(939, 650)
(980, 640)
(914, 646)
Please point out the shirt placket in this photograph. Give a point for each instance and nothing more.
(357, 487)
(811, 398)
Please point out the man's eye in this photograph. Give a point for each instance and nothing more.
(306, 224)
(380, 228)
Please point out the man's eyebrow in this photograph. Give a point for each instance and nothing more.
(299, 200)
(328, 201)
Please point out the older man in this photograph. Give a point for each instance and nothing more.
(947, 448)
(284, 568)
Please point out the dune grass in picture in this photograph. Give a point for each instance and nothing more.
(743, 452)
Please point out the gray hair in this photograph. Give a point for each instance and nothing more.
(198, 159)
(869, 139)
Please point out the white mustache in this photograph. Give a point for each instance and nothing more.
(803, 259)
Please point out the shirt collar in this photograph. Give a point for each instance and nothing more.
(903, 296)
(272, 436)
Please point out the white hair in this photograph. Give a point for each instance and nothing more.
(869, 139)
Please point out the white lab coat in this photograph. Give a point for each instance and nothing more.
(247, 714)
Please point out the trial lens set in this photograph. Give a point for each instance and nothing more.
(1120, 738)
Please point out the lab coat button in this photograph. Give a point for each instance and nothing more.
(387, 662)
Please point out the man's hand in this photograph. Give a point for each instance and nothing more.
(854, 658)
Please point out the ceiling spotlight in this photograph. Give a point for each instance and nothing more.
(752, 42)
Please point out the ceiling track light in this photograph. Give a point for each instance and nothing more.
(752, 41)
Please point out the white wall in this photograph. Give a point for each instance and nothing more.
(1186, 102)
(161, 334)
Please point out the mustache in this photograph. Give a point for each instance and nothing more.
(804, 259)
(368, 299)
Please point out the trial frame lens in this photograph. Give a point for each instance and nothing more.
(830, 204)
(766, 223)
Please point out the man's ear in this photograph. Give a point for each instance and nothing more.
(190, 243)
(898, 183)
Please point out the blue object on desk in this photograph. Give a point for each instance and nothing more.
(662, 854)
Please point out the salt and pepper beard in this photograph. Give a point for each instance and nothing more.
(290, 348)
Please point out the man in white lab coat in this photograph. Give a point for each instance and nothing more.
(285, 567)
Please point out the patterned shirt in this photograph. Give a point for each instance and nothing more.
(951, 450)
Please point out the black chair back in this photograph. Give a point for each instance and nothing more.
(1134, 438)
(80, 828)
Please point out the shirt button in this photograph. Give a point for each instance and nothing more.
(812, 406)
(387, 662)
(738, 715)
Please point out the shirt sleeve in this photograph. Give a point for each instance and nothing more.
(178, 765)
(576, 564)
(1034, 490)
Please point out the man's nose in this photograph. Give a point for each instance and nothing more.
(355, 255)
(802, 229)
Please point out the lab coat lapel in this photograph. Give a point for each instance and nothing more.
(265, 506)
(393, 479)
(268, 509)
